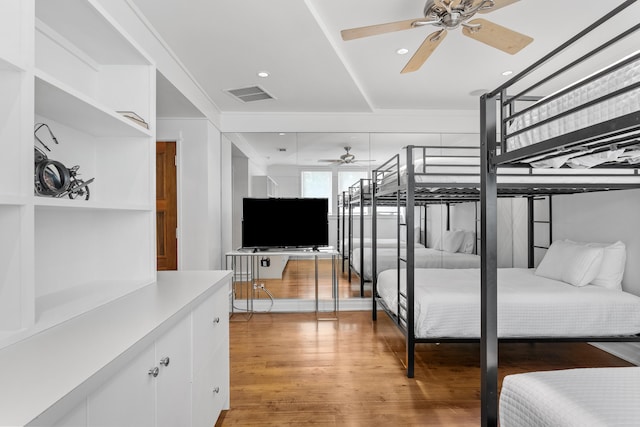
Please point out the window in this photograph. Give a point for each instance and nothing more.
(348, 178)
(318, 184)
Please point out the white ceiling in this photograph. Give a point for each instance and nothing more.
(225, 43)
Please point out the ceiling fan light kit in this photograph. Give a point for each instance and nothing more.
(449, 15)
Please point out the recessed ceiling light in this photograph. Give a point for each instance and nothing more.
(402, 51)
(282, 134)
(507, 73)
(263, 74)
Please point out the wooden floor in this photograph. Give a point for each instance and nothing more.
(292, 370)
(298, 282)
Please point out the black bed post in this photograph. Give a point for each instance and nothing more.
(374, 238)
(410, 264)
(489, 294)
(530, 231)
(362, 237)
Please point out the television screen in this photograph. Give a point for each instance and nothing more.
(285, 223)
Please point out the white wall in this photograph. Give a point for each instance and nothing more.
(603, 217)
(199, 191)
(511, 223)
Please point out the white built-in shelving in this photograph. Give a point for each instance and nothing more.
(60, 257)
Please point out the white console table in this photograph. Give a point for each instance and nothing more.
(245, 266)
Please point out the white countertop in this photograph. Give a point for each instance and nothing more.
(39, 371)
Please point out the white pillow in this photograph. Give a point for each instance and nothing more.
(468, 243)
(574, 264)
(614, 259)
(451, 240)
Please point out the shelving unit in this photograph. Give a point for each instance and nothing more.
(60, 257)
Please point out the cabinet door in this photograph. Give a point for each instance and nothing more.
(210, 359)
(173, 387)
(211, 390)
(127, 399)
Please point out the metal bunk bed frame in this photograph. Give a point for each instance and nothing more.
(621, 131)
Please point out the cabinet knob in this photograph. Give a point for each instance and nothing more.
(165, 361)
(216, 320)
(154, 371)
(216, 390)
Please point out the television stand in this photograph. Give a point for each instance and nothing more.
(245, 266)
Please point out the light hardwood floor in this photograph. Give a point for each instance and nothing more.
(292, 370)
(298, 280)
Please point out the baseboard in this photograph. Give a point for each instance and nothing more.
(303, 305)
(629, 351)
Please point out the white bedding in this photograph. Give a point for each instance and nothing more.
(594, 397)
(424, 258)
(620, 105)
(447, 304)
(517, 176)
(382, 243)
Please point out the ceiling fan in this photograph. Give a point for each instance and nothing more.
(449, 15)
(346, 158)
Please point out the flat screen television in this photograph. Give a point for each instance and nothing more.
(285, 223)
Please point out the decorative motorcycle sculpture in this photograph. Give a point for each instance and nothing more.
(52, 178)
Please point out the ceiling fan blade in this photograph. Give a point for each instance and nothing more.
(330, 160)
(497, 4)
(497, 36)
(424, 51)
(373, 30)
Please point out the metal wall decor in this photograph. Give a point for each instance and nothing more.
(51, 177)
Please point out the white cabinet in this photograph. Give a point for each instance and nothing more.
(210, 351)
(154, 389)
(73, 71)
(158, 357)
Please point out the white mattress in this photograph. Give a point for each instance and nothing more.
(424, 258)
(620, 105)
(594, 397)
(520, 176)
(382, 243)
(447, 304)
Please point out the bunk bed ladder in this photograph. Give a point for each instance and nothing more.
(531, 229)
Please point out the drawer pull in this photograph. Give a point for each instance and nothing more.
(216, 390)
(154, 371)
(165, 361)
(216, 320)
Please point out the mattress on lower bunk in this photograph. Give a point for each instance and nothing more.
(424, 258)
(573, 397)
(382, 243)
(617, 106)
(447, 304)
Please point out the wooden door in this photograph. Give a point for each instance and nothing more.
(166, 206)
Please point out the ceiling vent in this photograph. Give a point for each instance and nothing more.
(249, 94)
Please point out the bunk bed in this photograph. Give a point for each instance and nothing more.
(357, 199)
(593, 123)
(598, 151)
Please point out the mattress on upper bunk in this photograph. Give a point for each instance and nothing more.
(572, 397)
(447, 304)
(469, 177)
(625, 103)
(424, 258)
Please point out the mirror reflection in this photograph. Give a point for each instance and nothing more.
(294, 165)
